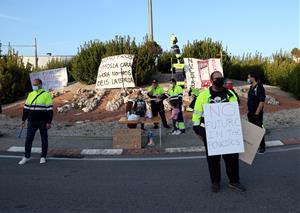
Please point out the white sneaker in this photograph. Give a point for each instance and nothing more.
(43, 160)
(23, 161)
(177, 132)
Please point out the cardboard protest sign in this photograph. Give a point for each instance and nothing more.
(223, 128)
(115, 72)
(191, 72)
(127, 138)
(52, 79)
(198, 71)
(252, 135)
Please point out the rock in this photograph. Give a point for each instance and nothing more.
(64, 108)
(271, 100)
(116, 102)
(84, 99)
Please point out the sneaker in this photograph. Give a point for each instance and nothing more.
(167, 126)
(237, 187)
(150, 144)
(189, 109)
(176, 132)
(42, 160)
(23, 161)
(261, 150)
(215, 187)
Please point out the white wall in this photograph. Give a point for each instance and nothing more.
(43, 60)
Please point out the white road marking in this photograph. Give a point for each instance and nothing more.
(101, 151)
(144, 158)
(274, 143)
(21, 149)
(185, 149)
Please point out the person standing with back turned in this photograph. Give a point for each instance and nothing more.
(38, 110)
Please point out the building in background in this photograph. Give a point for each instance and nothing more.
(44, 59)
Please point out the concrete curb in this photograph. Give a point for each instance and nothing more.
(80, 153)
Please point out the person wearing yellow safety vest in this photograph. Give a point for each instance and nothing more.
(178, 69)
(38, 110)
(194, 92)
(157, 96)
(216, 94)
(175, 94)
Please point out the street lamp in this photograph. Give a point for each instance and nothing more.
(150, 23)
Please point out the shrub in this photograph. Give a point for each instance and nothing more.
(86, 63)
(14, 76)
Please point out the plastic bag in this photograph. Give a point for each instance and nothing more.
(148, 114)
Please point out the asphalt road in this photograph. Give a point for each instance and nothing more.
(149, 185)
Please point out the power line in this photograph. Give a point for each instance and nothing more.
(22, 45)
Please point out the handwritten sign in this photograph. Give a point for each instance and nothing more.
(127, 138)
(52, 79)
(115, 72)
(223, 128)
(198, 71)
(252, 135)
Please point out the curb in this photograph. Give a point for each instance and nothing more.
(81, 153)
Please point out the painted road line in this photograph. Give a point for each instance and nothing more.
(274, 143)
(102, 151)
(283, 149)
(22, 149)
(185, 149)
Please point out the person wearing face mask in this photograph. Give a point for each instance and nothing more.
(175, 94)
(217, 93)
(256, 100)
(157, 96)
(38, 111)
(229, 85)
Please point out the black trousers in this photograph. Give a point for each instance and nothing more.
(159, 108)
(192, 104)
(214, 162)
(258, 121)
(33, 126)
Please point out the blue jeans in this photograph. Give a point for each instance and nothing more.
(33, 126)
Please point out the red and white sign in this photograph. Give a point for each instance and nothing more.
(198, 71)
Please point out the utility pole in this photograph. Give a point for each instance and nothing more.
(35, 54)
(9, 46)
(150, 21)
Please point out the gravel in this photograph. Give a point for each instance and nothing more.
(283, 118)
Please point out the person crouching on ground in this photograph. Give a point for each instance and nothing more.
(38, 110)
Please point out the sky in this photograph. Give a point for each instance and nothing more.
(61, 26)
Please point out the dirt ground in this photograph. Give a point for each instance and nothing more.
(100, 114)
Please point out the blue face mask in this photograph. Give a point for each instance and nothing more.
(34, 88)
(249, 81)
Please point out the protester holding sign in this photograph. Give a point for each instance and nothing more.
(216, 94)
(38, 110)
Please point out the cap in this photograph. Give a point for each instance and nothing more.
(154, 81)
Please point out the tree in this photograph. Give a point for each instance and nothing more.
(205, 49)
(14, 76)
